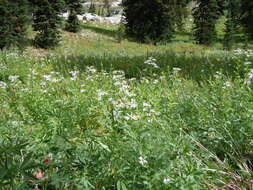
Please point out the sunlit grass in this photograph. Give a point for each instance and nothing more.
(174, 121)
(97, 114)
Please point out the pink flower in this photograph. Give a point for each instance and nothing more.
(39, 175)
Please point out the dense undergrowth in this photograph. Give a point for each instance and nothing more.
(161, 120)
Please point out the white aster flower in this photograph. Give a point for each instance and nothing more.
(238, 51)
(47, 77)
(13, 78)
(176, 69)
(250, 74)
(117, 114)
(132, 117)
(249, 77)
(91, 69)
(74, 75)
(3, 84)
(24, 89)
(50, 78)
(166, 180)
(146, 104)
(142, 160)
(43, 84)
(132, 79)
(247, 63)
(155, 81)
(118, 77)
(3, 67)
(44, 91)
(152, 62)
(228, 84)
(33, 71)
(101, 94)
(118, 72)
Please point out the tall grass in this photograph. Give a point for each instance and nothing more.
(176, 121)
(195, 66)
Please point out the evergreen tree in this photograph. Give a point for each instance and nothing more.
(232, 22)
(247, 16)
(180, 12)
(107, 6)
(230, 28)
(74, 8)
(14, 19)
(222, 5)
(149, 20)
(205, 18)
(47, 22)
(92, 8)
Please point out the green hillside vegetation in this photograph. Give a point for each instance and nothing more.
(99, 113)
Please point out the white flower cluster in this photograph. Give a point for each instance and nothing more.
(246, 63)
(93, 74)
(33, 72)
(247, 53)
(3, 67)
(101, 93)
(176, 69)
(152, 62)
(218, 75)
(13, 54)
(142, 160)
(51, 77)
(148, 110)
(74, 75)
(3, 84)
(166, 180)
(132, 117)
(91, 69)
(249, 77)
(13, 78)
(227, 84)
(125, 103)
(82, 90)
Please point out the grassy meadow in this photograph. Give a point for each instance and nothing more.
(96, 114)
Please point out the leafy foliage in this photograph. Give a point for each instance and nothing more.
(164, 121)
(16, 163)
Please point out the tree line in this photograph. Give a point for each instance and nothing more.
(157, 20)
(43, 15)
(145, 20)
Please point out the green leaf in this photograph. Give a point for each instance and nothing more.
(118, 185)
(121, 186)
